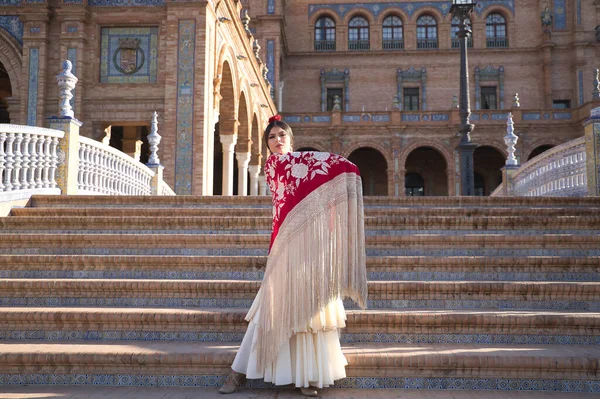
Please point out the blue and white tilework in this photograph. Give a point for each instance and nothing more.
(409, 8)
(445, 383)
(411, 117)
(184, 162)
(561, 115)
(10, 2)
(13, 26)
(578, 6)
(146, 55)
(560, 14)
(271, 62)
(32, 90)
(531, 116)
(270, 6)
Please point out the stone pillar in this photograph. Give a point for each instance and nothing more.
(243, 158)
(228, 141)
(401, 182)
(67, 171)
(262, 185)
(508, 171)
(254, 171)
(592, 149)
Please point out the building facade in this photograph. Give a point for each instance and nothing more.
(374, 81)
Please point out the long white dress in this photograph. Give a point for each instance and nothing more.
(307, 359)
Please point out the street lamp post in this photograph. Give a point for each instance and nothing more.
(461, 9)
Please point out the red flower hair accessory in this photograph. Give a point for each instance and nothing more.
(274, 118)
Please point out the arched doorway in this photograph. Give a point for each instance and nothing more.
(538, 150)
(226, 126)
(488, 163)
(5, 92)
(373, 170)
(426, 173)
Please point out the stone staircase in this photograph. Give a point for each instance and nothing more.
(464, 293)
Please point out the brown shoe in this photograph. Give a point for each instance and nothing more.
(232, 383)
(309, 391)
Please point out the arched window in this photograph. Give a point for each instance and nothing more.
(455, 39)
(358, 34)
(495, 31)
(325, 34)
(393, 33)
(427, 32)
(414, 185)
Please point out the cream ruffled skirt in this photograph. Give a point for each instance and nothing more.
(312, 357)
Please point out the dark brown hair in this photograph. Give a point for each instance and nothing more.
(280, 124)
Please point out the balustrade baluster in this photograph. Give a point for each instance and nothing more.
(33, 159)
(47, 162)
(40, 164)
(53, 162)
(10, 158)
(94, 168)
(26, 162)
(18, 159)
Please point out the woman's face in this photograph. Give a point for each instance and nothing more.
(279, 141)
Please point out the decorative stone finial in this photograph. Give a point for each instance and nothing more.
(510, 140)
(256, 48)
(107, 135)
(596, 92)
(154, 139)
(337, 104)
(246, 22)
(395, 103)
(516, 103)
(66, 83)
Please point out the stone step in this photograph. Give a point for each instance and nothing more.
(226, 224)
(228, 325)
(266, 211)
(162, 363)
(183, 201)
(385, 268)
(582, 296)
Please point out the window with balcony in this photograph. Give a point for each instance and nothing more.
(495, 31)
(488, 97)
(411, 98)
(455, 39)
(393, 33)
(325, 34)
(427, 32)
(358, 34)
(332, 94)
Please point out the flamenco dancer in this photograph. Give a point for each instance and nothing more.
(316, 257)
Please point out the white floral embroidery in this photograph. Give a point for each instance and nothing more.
(299, 170)
(321, 156)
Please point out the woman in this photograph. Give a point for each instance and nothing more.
(316, 257)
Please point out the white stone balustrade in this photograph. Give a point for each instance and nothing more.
(28, 158)
(558, 172)
(105, 170)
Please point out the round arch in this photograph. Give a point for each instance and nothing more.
(539, 150)
(325, 13)
(538, 143)
(434, 12)
(448, 157)
(373, 170)
(393, 11)
(368, 144)
(11, 58)
(431, 166)
(360, 12)
(496, 8)
(298, 144)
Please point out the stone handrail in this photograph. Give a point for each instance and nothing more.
(558, 172)
(106, 170)
(28, 158)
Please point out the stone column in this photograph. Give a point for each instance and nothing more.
(228, 141)
(243, 158)
(262, 184)
(592, 149)
(254, 171)
(401, 182)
